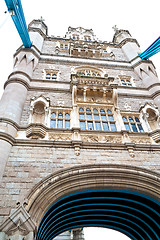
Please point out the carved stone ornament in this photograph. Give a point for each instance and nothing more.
(60, 137)
(35, 131)
(140, 140)
(18, 224)
(102, 139)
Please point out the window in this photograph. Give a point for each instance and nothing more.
(60, 120)
(126, 81)
(96, 119)
(51, 75)
(132, 124)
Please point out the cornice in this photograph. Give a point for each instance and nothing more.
(34, 50)
(126, 40)
(71, 59)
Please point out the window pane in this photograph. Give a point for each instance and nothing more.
(81, 110)
(105, 126)
(110, 117)
(109, 111)
(53, 115)
(124, 119)
(67, 123)
(103, 117)
(81, 115)
(90, 125)
(89, 116)
(95, 110)
(67, 116)
(127, 127)
(140, 128)
(60, 115)
(82, 125)
(53, 124)
(88, 110)
(60, 123)
(134, 128)
(137, 119)
(98, 125)
(102, 111)
(131, 119)
(96, 117)
(113, 127)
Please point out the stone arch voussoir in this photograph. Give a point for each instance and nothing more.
(87, 177)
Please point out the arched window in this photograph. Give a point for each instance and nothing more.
(96, 119)
(60, 120)
(132, 124)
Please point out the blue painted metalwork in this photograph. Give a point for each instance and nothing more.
(134, 214)
(16, 10)
(151, 50)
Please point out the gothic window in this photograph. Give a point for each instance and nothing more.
(132, 124)
(60, 120)
(96, 119)
(126, 81)
(51, 75)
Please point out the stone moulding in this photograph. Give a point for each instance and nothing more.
(83, 177)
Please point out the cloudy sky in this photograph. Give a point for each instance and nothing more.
(140, 17)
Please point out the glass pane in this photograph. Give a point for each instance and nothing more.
(60, 123)
(113, 127)
(103, 117)
(124, 84)
(130, 85)
(48, 74)
(127, 127)
(98, 125)
(90, 125)
(122, 81)
(81, 110)
(89, 116)
(95, 110)
(81, 115)
(134, 128)
(82, 125)
(105, 126)
(96, 117)
(109, 111)
(53, 115)
(131, 119)
(102, 111)
(53, 124)
(140, 128)
(60, 115)
(128, 81)
(110, 117)
(88, 110)
(124, 119)
(67, 123)
(137, 119)
(67, 116)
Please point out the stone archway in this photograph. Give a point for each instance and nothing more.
(78, 180)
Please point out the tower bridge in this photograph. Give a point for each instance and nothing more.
(79, 138)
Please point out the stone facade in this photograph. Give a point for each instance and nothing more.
(69, 103)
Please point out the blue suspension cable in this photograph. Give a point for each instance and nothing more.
(16, 10)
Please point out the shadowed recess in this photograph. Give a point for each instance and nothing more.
(134, 214)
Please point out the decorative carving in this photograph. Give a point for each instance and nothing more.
(19, 223)
(140, 140)
(104, 139)
(60, 137)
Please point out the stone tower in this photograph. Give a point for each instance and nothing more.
(79, 133)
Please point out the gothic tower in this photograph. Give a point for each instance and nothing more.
(79, 138)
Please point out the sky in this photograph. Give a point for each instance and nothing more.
(140, 17)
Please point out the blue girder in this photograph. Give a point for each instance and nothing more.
(151, 50)
(16, 10)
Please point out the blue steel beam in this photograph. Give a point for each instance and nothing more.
(17, 14)
(151, 50)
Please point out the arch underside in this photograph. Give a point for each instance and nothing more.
(131, 213)
(123, 198)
